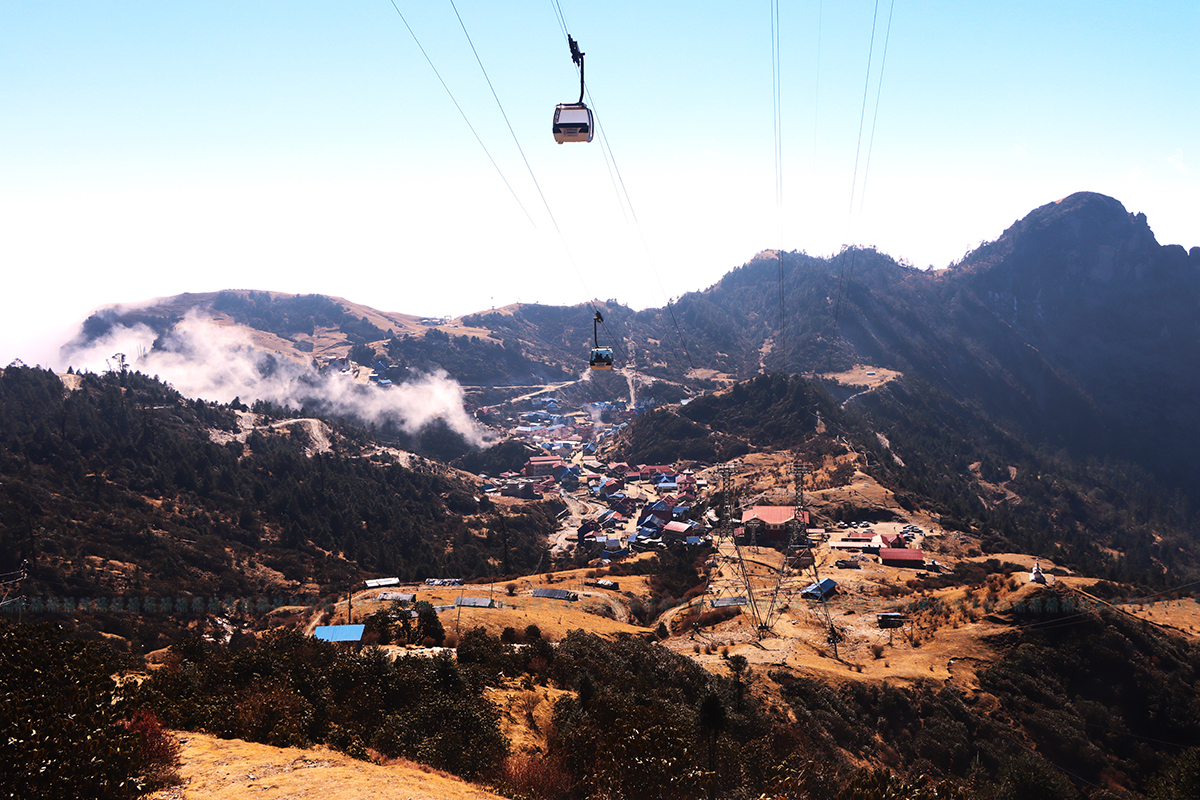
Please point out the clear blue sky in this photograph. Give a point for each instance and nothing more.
(151, 148)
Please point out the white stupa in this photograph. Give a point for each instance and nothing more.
(1035, 575)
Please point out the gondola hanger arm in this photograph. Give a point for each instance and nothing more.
(577, 57)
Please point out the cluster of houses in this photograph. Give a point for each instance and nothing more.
(659, 519)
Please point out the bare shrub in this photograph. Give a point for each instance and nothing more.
(159, 748)
(695, 617)
(536, 776)
(877, 651)
(527, 703)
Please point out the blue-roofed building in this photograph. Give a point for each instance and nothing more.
(652, 524)
(339, 633)
(819, 590)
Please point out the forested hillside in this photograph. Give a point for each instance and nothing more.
(118, 487)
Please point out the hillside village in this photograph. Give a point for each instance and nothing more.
(931, 548)
(733, 568)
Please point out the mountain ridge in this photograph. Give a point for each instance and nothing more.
(1072, 329)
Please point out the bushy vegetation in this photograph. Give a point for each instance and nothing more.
(1069, 509)
(291, 690)
(507, 456)
(69, 732)
(1078, 703)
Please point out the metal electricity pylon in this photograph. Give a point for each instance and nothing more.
(729, 581)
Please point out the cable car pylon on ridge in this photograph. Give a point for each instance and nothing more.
(602, 357)
(573, 121)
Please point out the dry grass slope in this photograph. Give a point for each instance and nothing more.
(231, 769)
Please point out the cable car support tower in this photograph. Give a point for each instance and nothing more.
(796, 558)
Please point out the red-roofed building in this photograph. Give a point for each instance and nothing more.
(542, 465)
(649, 471)
(771, 520)
(676, 530)
(902, 557)
(773, 517)
(613, 486)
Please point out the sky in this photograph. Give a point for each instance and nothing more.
(149, 149)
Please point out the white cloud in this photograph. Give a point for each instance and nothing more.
(209, 361)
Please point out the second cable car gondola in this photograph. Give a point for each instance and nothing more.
(573, 121)
(602, 357)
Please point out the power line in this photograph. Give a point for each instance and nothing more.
(842, 277)
(610, 158)
(777, 112)
(545, 203)
(504, 114)
(863, 116)
(429, 61)
(875, 118)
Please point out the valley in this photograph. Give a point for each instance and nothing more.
(919, 539)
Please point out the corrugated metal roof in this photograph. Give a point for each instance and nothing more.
(377, 582)
(396, 597)
(555, 594)
(725, 602)
(339, 633)
(474, 602)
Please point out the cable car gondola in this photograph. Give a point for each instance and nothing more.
(573, 121)
(602, 357)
